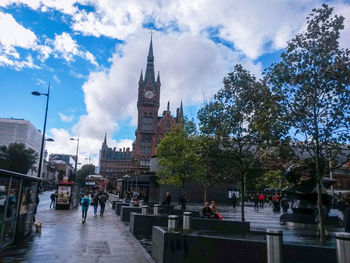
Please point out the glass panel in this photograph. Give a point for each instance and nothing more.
(13, 198)
(4, 184)
(9, 231)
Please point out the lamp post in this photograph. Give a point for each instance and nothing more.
(76, 156)
(36, 93)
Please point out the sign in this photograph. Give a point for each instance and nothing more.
(89, 183)
(63, 194)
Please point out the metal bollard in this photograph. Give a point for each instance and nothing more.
(131, 202)
(274, 245)
(144, 209)
(342, 240)
(172, 222)
(187, 221)
(156, 209)
(141, 203)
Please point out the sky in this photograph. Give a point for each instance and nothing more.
(91, 53)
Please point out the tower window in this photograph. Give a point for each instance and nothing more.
(147, 123)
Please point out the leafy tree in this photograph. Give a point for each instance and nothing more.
(83, 172)
(18, 158)
(232, 119)
(177, 158)
(312, 81)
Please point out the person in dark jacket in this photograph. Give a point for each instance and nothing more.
(102, 200)
(167, 198)
(95, 202)
(234, 200)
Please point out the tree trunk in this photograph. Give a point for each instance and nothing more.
(242, 196)
(183, 184)
(205, 193)
(321, 220)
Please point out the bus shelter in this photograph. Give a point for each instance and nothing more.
(18, 201)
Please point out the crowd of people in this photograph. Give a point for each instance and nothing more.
(277, 201)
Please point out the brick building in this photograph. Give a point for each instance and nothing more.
(150, 129)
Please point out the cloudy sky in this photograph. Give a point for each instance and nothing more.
(92, 53)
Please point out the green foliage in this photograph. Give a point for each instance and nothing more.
(177, 158)
(273, 179)
(242, 120)
(312, 83)
(83, 172)
(18, 158)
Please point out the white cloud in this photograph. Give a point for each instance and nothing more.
(190, 66)
(65, 118)
(68, 48)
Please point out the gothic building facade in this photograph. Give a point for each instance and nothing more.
(150, 129)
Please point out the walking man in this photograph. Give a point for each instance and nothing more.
(102, 199)
(85, 202)
(53, 197)
(95, 202)
(234, 200)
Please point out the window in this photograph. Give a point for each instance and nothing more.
(147, 122)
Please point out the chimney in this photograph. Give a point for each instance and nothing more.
(123, 149)
(114, 149)
(120, 149)
(128, 149)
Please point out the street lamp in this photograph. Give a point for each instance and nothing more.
(76, 156)
(36, 93)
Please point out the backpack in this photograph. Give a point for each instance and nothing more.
(85, 202)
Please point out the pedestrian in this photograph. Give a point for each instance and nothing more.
(102, 200)
(167, 198)
(234, 200)
(261, 200)
(206, 211)
(183, 201)
(284, 204)
(95, 202)
(53, 197)
(85, 202)
(346, 214)
(256, 201)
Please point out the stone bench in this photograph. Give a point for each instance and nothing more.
(118, 207)
(126, 210)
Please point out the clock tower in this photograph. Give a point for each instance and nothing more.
(147, 108)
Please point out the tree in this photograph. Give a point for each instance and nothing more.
(177, 158)
(83, 172)
(234, 120)
(18, 158)
(312, 81)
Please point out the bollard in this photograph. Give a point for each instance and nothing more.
(131, 202)
(141, 203)
(144, 209)
(156, 209)
(172, 221)
(343, 247)
(187, 221)
(274, 245)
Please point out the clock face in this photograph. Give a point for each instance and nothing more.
(149, 94)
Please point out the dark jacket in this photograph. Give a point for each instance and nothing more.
(207, 212)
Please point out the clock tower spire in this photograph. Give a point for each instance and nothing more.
(147, 107)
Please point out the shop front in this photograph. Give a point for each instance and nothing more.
(17, 206)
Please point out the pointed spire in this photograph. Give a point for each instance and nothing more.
(105, 141)
(141, 77)
(181, 110)
(181, 114)
(150, 64)
(168, 108)
(158, 78)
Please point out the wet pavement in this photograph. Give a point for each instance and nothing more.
(65, 239)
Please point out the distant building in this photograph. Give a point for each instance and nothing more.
(63, 163)
(150, 129)
(20, 131)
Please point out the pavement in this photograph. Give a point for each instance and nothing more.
(65, 239)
